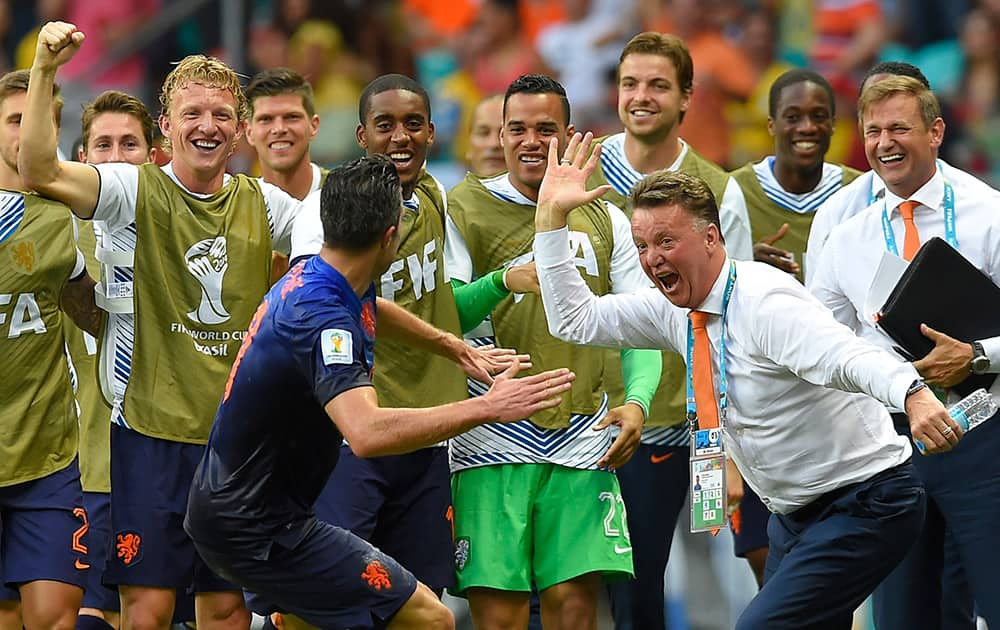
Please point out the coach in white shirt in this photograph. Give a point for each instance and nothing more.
(827, 462)
(902, 126)
(869, 187)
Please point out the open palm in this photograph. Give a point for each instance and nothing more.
(565, 184)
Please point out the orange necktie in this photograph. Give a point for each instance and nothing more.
(701, 373)
(911, 238)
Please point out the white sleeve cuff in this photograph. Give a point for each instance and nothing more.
(991, 347)
(900, 384)
(552, 247)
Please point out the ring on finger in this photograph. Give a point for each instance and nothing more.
(946, 431)
(565, 161)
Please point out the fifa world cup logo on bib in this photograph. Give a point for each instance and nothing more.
(207, 261)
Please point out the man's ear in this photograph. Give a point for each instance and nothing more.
(390, 233)
(360, 135)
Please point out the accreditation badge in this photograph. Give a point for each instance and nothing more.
(708, 481)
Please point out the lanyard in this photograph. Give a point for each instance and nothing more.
(949, 222)
(692, 411)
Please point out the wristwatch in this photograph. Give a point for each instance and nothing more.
(980, 362)
(915, 387)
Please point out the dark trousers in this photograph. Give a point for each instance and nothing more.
(956, 558)
(654, 484)
(827, 557)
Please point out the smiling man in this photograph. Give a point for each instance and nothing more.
(45, 561)
(782, 193)
(847, 504)
(283, 121)
(485, 154)
(655, 84)
(176, 313)
(784, 190)
(385, 499)
(901, 122)
(534, 501)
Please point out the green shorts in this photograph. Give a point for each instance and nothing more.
(515, 523)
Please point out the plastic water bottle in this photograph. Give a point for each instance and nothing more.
(973, 410)
(970, 412)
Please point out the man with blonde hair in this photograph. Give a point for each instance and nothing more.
(178, 306)
(901, 124)
(117, 127)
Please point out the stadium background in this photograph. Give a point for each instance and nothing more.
(462, 50)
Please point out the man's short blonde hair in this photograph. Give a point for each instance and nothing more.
(207, 71)
(883, 89)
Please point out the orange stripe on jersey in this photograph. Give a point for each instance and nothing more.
(258, 317)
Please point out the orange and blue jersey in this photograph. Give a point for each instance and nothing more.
(273, 446)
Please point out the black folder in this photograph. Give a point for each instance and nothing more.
(942, 289)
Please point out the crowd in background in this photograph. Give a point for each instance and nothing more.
(463, 50)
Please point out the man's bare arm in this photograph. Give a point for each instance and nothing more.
(76, 185)
(78, 301)
(398, 324)
(373, 431)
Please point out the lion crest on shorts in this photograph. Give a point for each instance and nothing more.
(127, 547)
(376, 575)
(461, 552)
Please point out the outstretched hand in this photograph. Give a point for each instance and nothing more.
(565, 184)
(514, 399)
(482, 362)
(57, 43)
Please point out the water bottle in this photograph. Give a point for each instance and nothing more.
(970, 412)
(973, 410)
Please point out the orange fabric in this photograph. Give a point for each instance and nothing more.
(911, 237)
(722, 74)
(833, 17)
(447, 18)
(537, 14)
(701, 373)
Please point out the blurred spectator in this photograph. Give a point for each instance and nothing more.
(484, 156)
(747, 121)
(722, 74)
(499, 48)
(5, 36)
(909, 24)
(580, 50)
(431, 23)
(975, 107)
(535, 15)
(847, 36)
(316, 51)
(106, 24)
(45, 11)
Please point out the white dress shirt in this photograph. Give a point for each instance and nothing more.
(790, 429)
(855, 197)
(851, 256)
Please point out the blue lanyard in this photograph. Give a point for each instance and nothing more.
(692, 411)
(949, 222)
